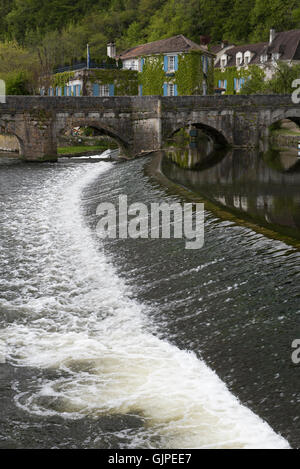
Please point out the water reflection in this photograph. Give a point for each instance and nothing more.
(264, 187)
(190, 147)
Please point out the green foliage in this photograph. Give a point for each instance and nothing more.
(189, 76)
(55, 32)
(255, 84)
(152, 77)
(278, 14)
(283, 78)
(61, 79)
(229, 74)
(17, 83)
(132, 22)
(125, 81)
(255, 81)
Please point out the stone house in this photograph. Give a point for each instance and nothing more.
(92, 79)
(168, 67)
(233, 63)
(171, 67)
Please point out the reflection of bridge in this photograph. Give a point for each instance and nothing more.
(141, 124)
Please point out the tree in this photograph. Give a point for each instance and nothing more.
(283, 78)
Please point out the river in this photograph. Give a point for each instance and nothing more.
(138, 343)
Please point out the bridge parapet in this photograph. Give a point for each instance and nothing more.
(141, 124)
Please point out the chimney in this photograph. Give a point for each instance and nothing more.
(224, 44)
(204, 40)
(111, 50)
(272, 36)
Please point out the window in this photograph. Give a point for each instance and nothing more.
(205, 63)
(170, 89)
(133, 65)
(238, 84)
(239, 59)
(104, 90)
(224, 61)
(171, 63)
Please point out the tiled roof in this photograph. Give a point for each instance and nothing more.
(256, 49)
(216, 49)
(173, 44)
(286, 43)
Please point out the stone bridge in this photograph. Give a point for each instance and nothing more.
(142, 124)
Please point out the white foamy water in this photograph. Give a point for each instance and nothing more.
(76, 315)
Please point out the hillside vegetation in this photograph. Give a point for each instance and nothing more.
(39, 35)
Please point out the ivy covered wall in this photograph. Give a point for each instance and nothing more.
(152, 77)
(188, 77)
(192, 70)
(125, 81)
(231, 73)
(60, 80)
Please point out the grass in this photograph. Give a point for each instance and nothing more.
(82, 148)
(286, 132)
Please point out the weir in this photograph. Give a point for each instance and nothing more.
(142, 124)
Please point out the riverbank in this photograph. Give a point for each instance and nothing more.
(286, 136)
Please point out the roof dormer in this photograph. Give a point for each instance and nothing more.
(224, 60)
(239, 59)
(247, 57)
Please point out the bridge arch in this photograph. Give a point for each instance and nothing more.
(7, 131)
(98, 125)
(291, 114)
(214, 134)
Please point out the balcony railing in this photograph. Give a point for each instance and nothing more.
(82, 65)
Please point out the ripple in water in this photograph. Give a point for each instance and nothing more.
(67, 310)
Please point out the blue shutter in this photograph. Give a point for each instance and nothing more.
(65, 90)
(165, 63)
(111, 90)
(176, 63)
(79, 90)
(96, 89)
(142, 64)
(235, 83)
(225, 84)
(175, 90)
(165, 89)
(140, 90)
(219, 84)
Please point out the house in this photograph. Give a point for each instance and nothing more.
(220, 49)
(171, 67)
(233, 64)
(92, 79)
